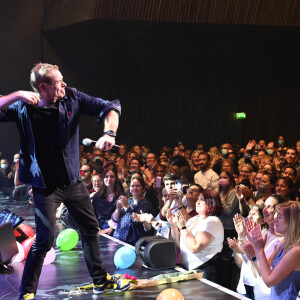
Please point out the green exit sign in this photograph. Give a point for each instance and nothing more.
(240, 115)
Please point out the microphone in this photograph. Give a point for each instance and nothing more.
(88, 142)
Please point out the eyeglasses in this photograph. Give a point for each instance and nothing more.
(84, 171)
(136, 186)
(158, 171)
(193, 190)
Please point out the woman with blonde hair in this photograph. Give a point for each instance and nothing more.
(194, 163)
(284, 277)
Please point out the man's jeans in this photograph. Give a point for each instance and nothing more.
(76, 197)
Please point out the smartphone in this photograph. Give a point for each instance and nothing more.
(184, 189)
(158, 182)
(178, 185)
(175, 210)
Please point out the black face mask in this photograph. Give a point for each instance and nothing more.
(262, 189)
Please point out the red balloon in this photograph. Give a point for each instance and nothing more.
(27, 245)
(27, 230)
(170, 294)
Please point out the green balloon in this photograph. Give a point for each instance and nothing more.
(67, 239)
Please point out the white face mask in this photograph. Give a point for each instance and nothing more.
(280, 142)
(224, 151)
(270, 151)
(4, 166)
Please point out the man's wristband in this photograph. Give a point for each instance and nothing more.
(182, 228)
(253, 258)
(110, 133)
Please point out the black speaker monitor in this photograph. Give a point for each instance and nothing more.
(156, 252)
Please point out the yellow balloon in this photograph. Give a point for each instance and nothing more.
(170, 294)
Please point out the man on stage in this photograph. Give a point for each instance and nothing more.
(48, 124)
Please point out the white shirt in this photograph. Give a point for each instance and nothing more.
(212, 225)
(207, 179)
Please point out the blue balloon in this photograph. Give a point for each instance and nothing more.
(124, 257)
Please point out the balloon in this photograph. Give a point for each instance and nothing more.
(67, 239)
(20, 256)
(27, 245)
(50, 257)
(26, 229)
(170, 294)
(124, 257)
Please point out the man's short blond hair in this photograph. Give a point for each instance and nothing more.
(39, 74)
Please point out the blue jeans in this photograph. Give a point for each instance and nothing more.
(76, 198)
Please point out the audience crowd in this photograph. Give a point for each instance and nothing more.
(233, 212)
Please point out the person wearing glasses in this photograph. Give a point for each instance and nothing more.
(127, 229)
(86, 174)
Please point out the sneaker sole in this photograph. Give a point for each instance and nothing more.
(111, 291)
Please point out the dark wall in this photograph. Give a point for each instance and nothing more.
(184, 82)
(176, 82)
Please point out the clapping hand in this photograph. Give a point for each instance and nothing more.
(143, 217)
(234, 245)
(238, 224)
(254, 234)
(249, 249)
(171, 218)
(180, 219)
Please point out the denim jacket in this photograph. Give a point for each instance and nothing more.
(70, 107)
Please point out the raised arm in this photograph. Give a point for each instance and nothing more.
(111, 123)
(27, 97)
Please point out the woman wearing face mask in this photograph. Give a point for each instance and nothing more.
(264, 190)
(284, 273)
(7, 177)
(230, 203)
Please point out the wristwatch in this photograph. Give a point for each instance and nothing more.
(110, 133)
(182, 228)
(253, 258)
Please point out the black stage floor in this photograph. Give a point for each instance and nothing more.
(69, 270)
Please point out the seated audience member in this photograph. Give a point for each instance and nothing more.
(291, 158)
(200, 239)
(227, 165)
(284, 276)
(265, 189)
(291, 173)
(130, 156)
(127, 229)
(188, 155)
(106, 196)
(284, 186)
(96, 180)
(206, 177)
(171, 196)
(86, 173)
(123, 151)
(7, 177)
(150, 165)
(195, 163)
(156, 187)
(137, 149)
(270, 168)
(164, 157)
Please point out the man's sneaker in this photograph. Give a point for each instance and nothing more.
(112, 285)
(28, 296)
